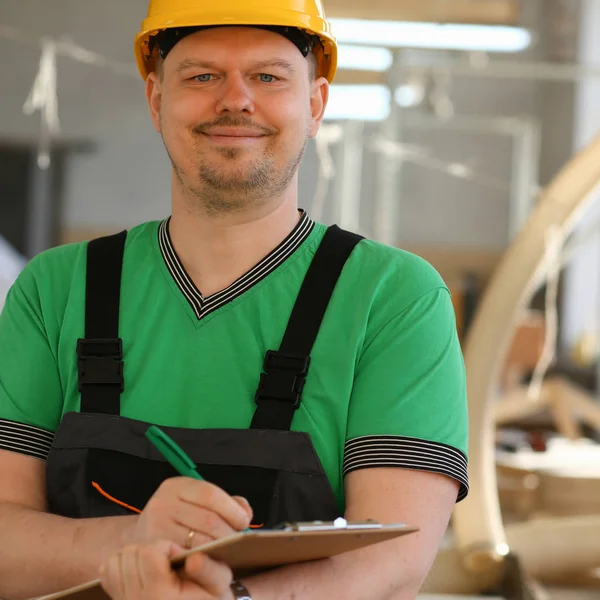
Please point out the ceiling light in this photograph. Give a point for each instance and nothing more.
(364, 58)
(444, 36)
(410, 94)
(358, 102)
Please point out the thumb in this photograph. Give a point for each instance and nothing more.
(175, 550)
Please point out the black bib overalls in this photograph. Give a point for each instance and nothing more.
(276, 469)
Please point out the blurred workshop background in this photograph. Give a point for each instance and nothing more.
(462, 130)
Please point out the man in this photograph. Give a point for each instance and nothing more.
(307, 372)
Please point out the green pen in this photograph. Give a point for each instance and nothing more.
(176, 457)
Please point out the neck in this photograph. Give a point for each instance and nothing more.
(218, 249)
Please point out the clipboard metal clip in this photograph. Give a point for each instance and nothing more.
(339, 523)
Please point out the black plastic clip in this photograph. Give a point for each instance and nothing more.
(100, 362)
(284, 378)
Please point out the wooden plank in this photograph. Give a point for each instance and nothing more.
(454, 262)
(74, 235)
(490, 12)
(350, 76)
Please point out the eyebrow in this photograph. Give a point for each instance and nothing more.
(283, 64)
(190, 64)
(203, 64)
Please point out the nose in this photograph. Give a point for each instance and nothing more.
(236, 96)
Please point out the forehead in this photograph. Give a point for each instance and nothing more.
(234, 45)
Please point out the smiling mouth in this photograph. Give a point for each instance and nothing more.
(233, 138)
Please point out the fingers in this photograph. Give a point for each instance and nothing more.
(182, 504)
(154, 564)
(131, 571)
(206, 524)
(212, 576)
(143, 572)
(213, 498)
(137, 570)
(111, 577)
(245, 505)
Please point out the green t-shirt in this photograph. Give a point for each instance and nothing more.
(386, 385)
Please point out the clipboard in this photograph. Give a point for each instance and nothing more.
(259, 550)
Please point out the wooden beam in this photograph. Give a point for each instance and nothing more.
(349, 76)
(74, 235)
(490, 12)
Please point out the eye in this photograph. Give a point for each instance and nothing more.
(266, 78)
(203, 78)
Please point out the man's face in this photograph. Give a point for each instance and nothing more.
(235, 107)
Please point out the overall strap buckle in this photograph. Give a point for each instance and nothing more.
(284, 378)
(100, 362)
(100, 351)
(279, 393)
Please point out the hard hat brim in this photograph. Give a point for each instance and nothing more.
(326, 56)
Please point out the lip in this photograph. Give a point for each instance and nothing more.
(233, 132)
(236, 140)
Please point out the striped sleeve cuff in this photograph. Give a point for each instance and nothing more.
(407, 453)
(25, 439)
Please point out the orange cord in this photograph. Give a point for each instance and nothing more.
(137, 510)
(109, 497)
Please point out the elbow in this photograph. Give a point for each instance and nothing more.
(407, 576)
(407, 586)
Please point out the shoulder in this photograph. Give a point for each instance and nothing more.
(408, 407)
(52, 270)
(396, 263)
(51, 275)
(392, 279)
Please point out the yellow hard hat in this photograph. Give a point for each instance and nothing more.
(307, 15)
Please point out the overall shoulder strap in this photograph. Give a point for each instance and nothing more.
(100, 353)
(280, 389)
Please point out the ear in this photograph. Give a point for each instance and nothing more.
(154, 98)
(318, 101)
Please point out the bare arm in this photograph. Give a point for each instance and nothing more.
(393, 570)
(39, 552)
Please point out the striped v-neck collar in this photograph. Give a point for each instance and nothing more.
(204, 305)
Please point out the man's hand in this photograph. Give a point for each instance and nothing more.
(143, 572)
(190, 513)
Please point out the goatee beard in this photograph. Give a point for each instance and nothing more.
(219, 193)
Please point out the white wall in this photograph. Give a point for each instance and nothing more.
(581, 310)
(125, 180)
